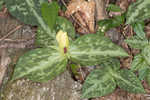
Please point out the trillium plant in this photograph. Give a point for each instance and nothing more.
(59, 46)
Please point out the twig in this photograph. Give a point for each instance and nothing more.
(82, 74)
(26, 44)
(4, 62)
(12, 31)
(19, 43)
(18, 40)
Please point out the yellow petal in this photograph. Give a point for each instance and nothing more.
(62, 39)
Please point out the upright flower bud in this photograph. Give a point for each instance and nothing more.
(63, 41)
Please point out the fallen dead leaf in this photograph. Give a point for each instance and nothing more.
(84, 12)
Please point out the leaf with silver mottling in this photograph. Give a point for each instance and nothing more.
(98, 83)
(92, 50)
(143, 72)
(112, 63)
(139, 29)
(148, 77)
(128, 81)
(138, 63)
(40, 65)
(138, 11)
(146, 54)
(136, 42)
(45, 39)
(28, 11)
(65, 25)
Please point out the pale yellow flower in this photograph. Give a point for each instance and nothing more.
(63, 41)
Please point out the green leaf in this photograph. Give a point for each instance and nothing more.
(136, 42)
(45, 39)
(148, 77)
(66, 26)
(139, 29)
(92, 50)
(128, 81)
(138, 63)
(104, 25)
(107, 24)
(143, 72)
(27, 11)
(40, 65)
(74, 69)
(1, 4)
(114, 8)
(100, 33)
(50, 13)
(138, 11)
(98, 83)
(146, 54)
(113, 63)
(21, 10)
(118, 20)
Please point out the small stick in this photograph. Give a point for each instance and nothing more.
(82, 74)
(4, 62)
(4, 37)
(18, 40)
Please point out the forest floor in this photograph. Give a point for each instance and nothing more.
(12, 37)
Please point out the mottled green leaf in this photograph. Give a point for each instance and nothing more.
(65, 25)
(136, 42)
(91, 50)
(139, 29)
(143, 72)
(146, 54)
(148, 77)
(40, 65)
(50, 13)
(114, 8)
(28, 11)
(44, 39)
(128, 81)
(98, 83)
(113, 63)
(138, 11)
(138, 63)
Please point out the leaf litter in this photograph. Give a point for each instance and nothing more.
(84, 12)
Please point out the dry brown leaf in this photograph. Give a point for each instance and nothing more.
(126, 62)
(123, 4)
(84, 12)
(122, 95)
